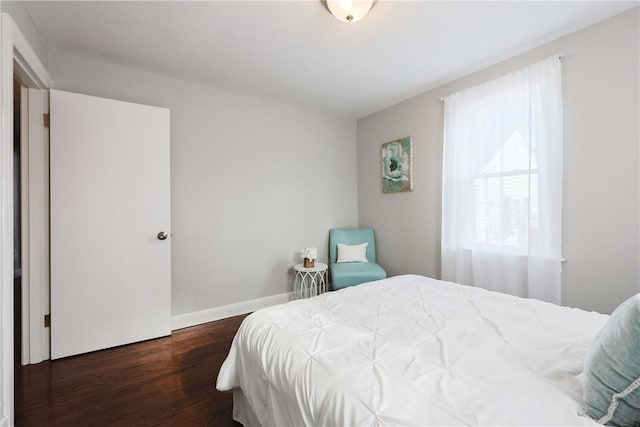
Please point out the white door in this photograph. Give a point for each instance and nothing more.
(110, 199)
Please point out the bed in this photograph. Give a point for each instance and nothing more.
(410, 350)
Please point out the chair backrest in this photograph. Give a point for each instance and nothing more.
(351, 236)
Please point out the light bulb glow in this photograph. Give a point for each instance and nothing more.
(346, 5)
(348, 10)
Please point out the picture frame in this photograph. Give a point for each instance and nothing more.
(397, 165)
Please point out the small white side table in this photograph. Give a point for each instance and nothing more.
(309, 282)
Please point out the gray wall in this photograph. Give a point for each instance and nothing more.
(252, 180)
(601, 181)
(20, 16)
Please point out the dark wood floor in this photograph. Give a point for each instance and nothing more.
(166, 381)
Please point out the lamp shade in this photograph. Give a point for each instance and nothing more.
(349, 10)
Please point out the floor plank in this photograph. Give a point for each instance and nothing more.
(166, 381)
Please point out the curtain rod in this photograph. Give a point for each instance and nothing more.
(559, 55)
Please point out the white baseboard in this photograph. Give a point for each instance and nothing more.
(217, 313)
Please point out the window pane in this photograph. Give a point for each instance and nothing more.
(502, 207)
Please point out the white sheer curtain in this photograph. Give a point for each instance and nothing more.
(502, 183)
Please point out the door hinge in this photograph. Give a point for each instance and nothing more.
(47, 320)
(45, 119)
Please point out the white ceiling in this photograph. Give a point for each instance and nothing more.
(296, 52)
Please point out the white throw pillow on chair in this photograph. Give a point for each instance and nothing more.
(352, 253)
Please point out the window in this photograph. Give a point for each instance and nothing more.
(502, 183)
(505, 197)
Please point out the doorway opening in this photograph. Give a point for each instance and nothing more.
(30, 222)
(17, 228)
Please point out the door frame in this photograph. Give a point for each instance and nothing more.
(34, 187)
(16, 56)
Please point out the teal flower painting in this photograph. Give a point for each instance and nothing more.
(396, 166)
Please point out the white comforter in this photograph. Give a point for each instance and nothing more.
(412, 351)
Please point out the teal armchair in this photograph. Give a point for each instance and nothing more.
(353, 273)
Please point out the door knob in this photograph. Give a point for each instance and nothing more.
(162, 235)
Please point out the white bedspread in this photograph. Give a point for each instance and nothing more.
(412, 351)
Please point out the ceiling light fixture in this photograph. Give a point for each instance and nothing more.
(348, 10)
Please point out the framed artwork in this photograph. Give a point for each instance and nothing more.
(397, 166)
